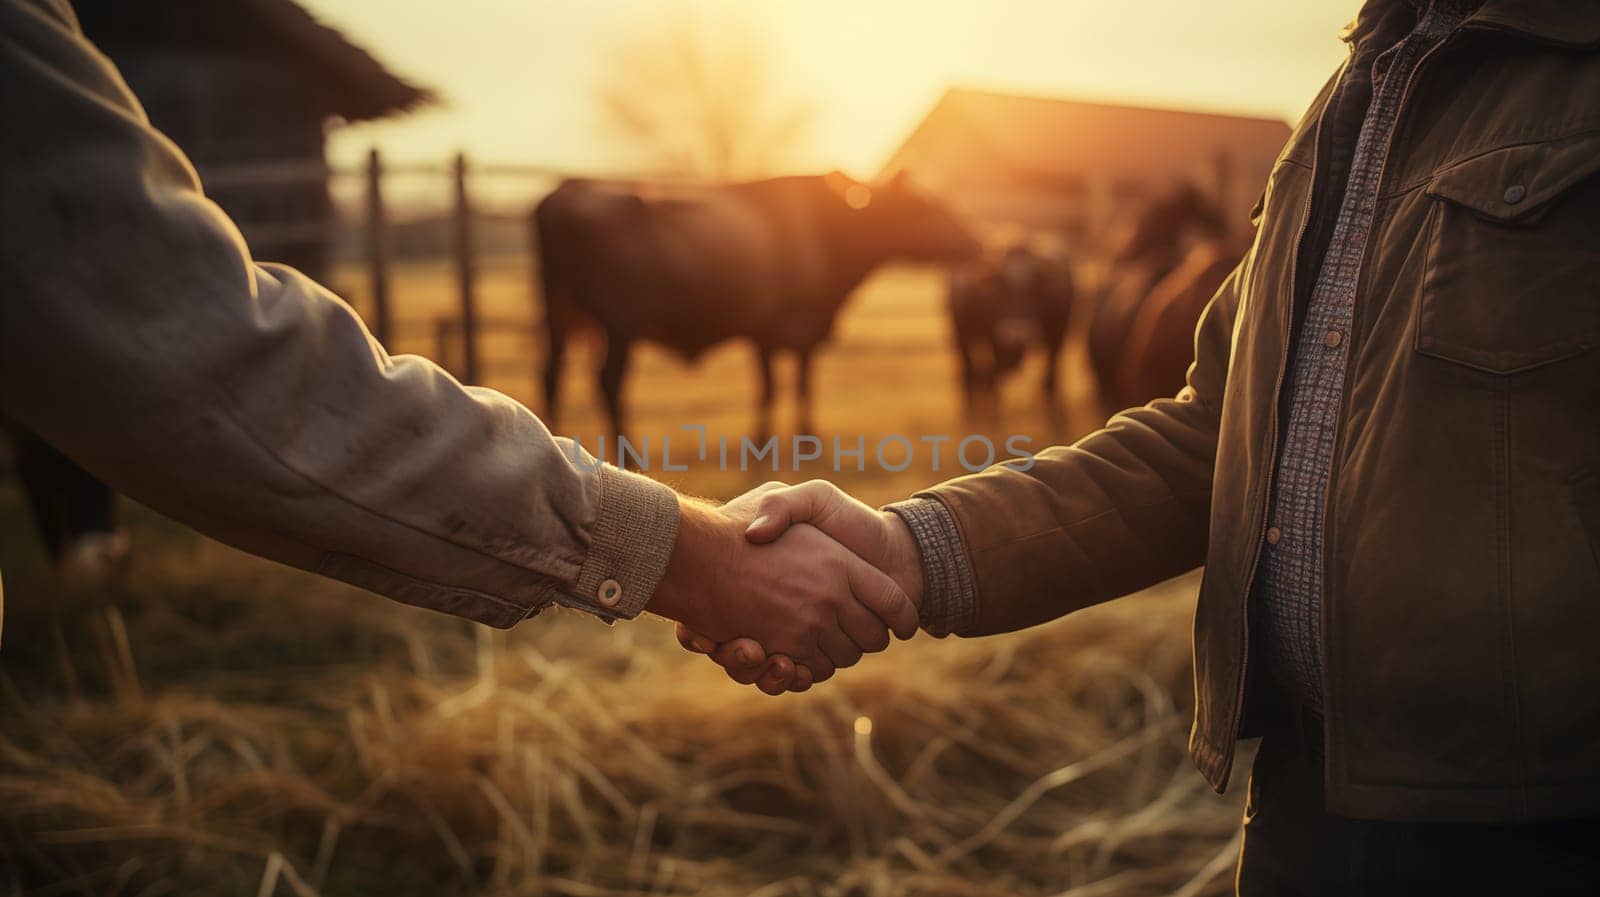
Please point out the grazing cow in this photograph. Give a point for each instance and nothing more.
(998, 307)
(769, 261)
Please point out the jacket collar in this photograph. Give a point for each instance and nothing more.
(1568, 23)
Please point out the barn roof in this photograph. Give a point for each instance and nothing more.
(352, 84)
(974, 139)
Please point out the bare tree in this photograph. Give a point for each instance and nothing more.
(700, 98)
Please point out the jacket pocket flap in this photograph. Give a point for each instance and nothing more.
(1515, 183)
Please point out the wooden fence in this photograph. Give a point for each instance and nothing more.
(456, 338)
(468, 324)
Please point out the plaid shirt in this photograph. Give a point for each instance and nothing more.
(1287, 595)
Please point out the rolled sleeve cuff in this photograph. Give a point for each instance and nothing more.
(950, 591)
(629, 546)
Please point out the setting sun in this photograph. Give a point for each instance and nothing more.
(519, 78)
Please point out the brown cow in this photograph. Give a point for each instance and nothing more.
(1159, 242)
(1160, 343)
(769, 261)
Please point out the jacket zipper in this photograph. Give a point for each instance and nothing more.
(1269, 474)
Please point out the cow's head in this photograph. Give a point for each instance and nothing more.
(900, 219)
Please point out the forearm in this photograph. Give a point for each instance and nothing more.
(1007, 549)
(702, 555)
(1123, 508)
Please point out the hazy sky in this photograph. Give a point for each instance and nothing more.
(520, 76)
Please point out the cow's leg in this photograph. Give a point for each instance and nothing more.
(803, 374)
(969, 378)
(1054, 409)
(612, 372)
(769, 390)
(985, 404)
(1053, 328)
(986, 376)
(555, 358)
(40, 471)
(1052, 367)
(76, 514)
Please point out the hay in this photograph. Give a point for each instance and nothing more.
(230, 728)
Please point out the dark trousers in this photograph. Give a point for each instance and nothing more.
(1293, 847)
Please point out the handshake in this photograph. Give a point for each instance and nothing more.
(785, 584)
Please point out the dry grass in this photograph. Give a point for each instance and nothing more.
(224, 726)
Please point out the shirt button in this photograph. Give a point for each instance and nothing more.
(1273, 535)
(1332, 338)
(610, 593)
(1515, 193)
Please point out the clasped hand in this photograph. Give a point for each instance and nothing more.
(786, 584)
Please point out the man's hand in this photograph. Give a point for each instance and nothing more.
(803, 596)
(878, 537)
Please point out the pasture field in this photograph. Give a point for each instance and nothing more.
(221, 725)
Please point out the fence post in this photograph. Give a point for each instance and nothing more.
(442, 338)
(378, 249)
(465, 273)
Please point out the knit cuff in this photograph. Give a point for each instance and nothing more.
(950, 591)
(629, 545)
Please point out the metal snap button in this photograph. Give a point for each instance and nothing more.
(610, 592)
(1273, 535)
(1332, 338)
(1515, 193)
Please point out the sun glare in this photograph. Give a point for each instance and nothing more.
(522, 82)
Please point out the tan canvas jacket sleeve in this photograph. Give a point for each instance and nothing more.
(137, 335)
(1123, 508)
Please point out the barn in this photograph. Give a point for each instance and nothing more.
(250, 89)
(1069, 166)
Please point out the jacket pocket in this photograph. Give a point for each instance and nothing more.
(1512, 278)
